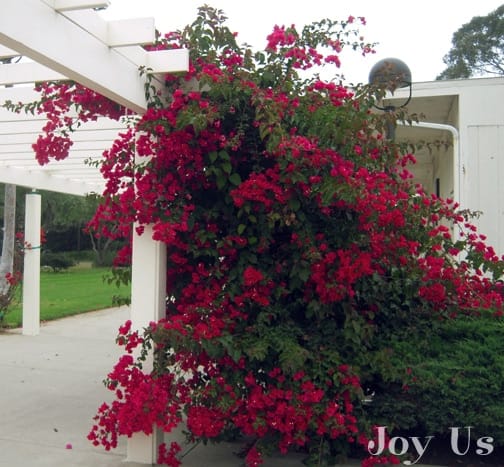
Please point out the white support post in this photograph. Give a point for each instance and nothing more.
(148, 298)
(31, 274)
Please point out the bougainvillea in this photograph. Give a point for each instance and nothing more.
(298, 245)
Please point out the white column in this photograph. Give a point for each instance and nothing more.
(148, 298)
(31, 272)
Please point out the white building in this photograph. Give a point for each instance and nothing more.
(469, 115)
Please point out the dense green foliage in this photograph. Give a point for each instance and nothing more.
(452, 376)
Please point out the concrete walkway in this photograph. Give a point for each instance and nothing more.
(51, 386)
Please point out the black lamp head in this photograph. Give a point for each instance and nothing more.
(390, 73)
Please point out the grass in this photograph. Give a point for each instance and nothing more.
(66, 293)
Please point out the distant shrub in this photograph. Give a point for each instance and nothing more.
(81, 255)
(56, 261)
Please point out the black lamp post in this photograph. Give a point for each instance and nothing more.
(391, 74)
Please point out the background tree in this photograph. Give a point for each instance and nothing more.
(8, 240)
(477, 48)
(64, 218)
(9, 221)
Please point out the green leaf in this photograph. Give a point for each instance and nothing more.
(227, 167)
(294, 204)
(293, 357)
(224, 156)
(252, 240)
(241, 228)
(213, 156)
(235, 179)
(258, 350)
(221, 181)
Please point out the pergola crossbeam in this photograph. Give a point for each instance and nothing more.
(5, 52)
(167, 61)
(136, 31)
(24, 73)
(70, 5)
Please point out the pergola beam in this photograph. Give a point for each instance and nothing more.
(46, 181)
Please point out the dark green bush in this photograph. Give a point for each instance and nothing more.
(81, 255)
(56, 261)
(453, 377)
(104, 258)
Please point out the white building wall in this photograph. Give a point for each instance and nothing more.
(443, 171)
(478, 115)
(481, 120)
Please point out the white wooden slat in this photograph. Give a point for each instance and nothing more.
(30, 72)
(55, 168)
(5, 52)
(21, 93)
(89, 145)
(69, 5)
(26, 122)
(90, 22)
(104, 136)
(136, 31)
(168, 61)
(12, 122)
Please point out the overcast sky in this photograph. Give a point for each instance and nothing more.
(418, 32)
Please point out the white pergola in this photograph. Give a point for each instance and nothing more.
(68, 39)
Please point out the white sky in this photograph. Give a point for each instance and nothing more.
(418, 32)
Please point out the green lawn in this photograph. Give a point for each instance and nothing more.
(70, 292)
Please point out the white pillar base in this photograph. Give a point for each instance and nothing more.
(148, 299)
(31, 273)
(142, 448)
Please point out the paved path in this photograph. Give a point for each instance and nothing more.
(51, 386)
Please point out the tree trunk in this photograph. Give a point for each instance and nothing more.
(100, 248)
(9, 234)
